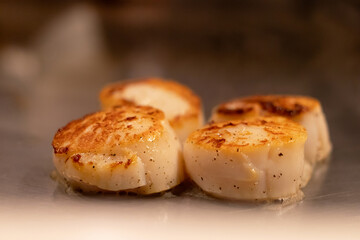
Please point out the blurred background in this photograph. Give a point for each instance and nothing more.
(55, 56)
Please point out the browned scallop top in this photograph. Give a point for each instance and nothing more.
(281, 105)
(103, 131)
(109, 97)
(248, 134)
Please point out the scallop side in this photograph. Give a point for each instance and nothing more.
(259, 159)
(182, 107)
(129, 148)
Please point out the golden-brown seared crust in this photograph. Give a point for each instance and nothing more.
(280, 105)
(279, 131)
(108, 96)
(102, 131)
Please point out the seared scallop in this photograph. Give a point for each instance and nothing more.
(305, 110)
(181, 106)
(258, 159)
(131, 148)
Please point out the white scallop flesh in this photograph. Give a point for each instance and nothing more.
(152, 163)
(318, 145)
(171, 104)
(263, 172)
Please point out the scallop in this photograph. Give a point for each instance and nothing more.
(305, 110)
(257, 159)
(129, 148)
(182, 107)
